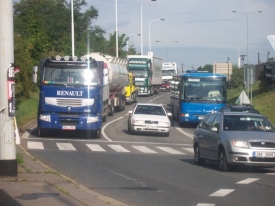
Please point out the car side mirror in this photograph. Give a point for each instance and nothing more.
(214, 129)
(169, 114)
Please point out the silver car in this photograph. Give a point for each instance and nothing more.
(147, 117)
(235, 138)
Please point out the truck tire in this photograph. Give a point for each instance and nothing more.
(111, 110)
(98, 134)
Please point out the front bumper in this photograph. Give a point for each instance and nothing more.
(243, 156)
(151, 128)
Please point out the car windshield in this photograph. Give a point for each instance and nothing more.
(150, 110)
(247, 123)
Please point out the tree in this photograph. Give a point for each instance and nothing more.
(237, 77)
(111, 45)
(207, 67)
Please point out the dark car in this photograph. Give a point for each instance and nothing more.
(235, 138)
(165, 86)
(239, 108)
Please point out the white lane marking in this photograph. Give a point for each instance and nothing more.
(118, 148)
(103, 128)
(270, 173)
(96, 148)
(205, 204)
(180, 130)
(247, 181)
(35, 145)
(170, 150)
(144, 149)
(222, 192)
(65, 146)
(189, 149)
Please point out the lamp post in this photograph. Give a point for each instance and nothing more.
(116, 33)
(141, 35)
(72, 19)
(150, 31)
(129, 37)
(246, 14)
(167, 47)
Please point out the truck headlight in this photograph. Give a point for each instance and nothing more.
(137, 122)
(92, 119)
(242, 144)
(46, 118)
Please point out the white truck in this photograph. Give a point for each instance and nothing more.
(147, 71)
(168, 70)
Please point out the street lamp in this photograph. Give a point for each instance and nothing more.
(167, 47)
(129, 37)
(141, 35)
(116, 33)
(246, 14)
(150, 31)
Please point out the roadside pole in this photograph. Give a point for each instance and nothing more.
(8, 162)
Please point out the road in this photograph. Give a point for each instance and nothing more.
(146, 170)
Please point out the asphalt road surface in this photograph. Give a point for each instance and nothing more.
(147, 170)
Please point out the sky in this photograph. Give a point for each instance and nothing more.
(194, 32)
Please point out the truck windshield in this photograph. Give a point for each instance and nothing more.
(139, 73)
(168, 72)
(70, 76)
(202, 88)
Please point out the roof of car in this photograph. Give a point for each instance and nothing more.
(241, 113)
(241, 108)
(150, 104)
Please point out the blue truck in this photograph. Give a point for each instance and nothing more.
(74, 95)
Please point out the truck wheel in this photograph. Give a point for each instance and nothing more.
(98, 133)
(111, 110)
(42, 133)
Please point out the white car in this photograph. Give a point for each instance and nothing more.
(148, 117)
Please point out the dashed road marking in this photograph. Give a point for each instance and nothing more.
(170, 150)
(118, 148)
(248, 180)
(35, 145)
(144, 149)
(189, 149)
(65, 146)
(96, 148)
(221, 192)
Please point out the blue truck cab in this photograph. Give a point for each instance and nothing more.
(70, 95)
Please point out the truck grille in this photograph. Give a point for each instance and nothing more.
(65, 102)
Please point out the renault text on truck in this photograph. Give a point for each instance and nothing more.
(70, 95)
(193, 95)
(147, 71)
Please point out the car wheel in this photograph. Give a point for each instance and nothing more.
(197, 156)
(222, 162)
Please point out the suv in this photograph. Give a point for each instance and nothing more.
(235, 138)
(239, 108)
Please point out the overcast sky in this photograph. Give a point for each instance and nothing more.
(206, 31)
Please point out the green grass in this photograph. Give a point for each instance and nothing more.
(264, 102)
(27, 110)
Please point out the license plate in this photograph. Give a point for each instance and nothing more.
(68, 127)
(263, 154)
(150, 127)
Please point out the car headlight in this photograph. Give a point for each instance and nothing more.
(164, 123)
(92, 119)
(46, 118)
(240, 144)
(137, 121)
